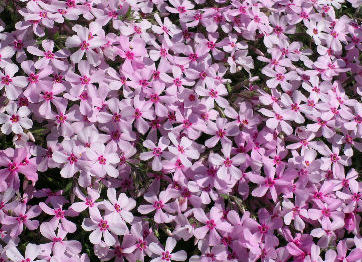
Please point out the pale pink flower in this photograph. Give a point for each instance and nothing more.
(15, 120)
(166, 254)
(107, 227)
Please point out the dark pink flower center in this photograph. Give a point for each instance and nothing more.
(12, 167)
(334, 158)
(263, 228)
(49, 55)
(228, 162)
(166, 256)
(280, 77)
(193, 57)
(14, 118)
(278, 117)
(85, 80)
(61, 118)
(211, 45)
(59, 213)
(33, 78)
(158, 205)
(84, 45)
(89, 202)
(181, 149)
(141, 244)
(210, 224)
(21, 218)
(221, 133)
(102, 160)
(177, 82)
(103, 225)
(48, 96)
(181, 9)
(129, 55)
(163, 52)
(157, 151)
(137, 113)
(6, 80)
(213, 93)
(72, 159)
(278, 30)
(295, 107)
(269, 182)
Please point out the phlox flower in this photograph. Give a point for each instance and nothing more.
(158, 204)
(47, 56)
(13, 84)
(106, 227)
(213, 226)
(32, 251)
(166, 254)
(59, 217)
(156, 152)
(87, 40)
(15, 120)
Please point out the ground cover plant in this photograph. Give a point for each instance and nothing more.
(180, 130)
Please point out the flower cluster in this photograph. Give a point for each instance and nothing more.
(180, 130)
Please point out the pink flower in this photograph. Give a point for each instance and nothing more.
(15, 120)
(15, 162)
(103, 159)
(278, 118)
(157, 152)
(102, 227)
(183, 149)
(22, 217)
(220, 131)
(121, 207)
(58, 245)
(158, 204)
(212, 225)
(59, 217)
(166, 254)
(72, 158)
(87, 40)
(87, 201)
(354, 255)
(227, 163)
(32, 251)
(267, 183)
(13, 84)
(48, 56)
